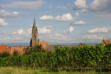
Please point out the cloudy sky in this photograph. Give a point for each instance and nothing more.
(61, 21)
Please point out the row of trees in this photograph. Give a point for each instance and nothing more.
(62, 58)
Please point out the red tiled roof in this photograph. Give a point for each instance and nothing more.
(44, 44)
(106, 41)
(4, 48)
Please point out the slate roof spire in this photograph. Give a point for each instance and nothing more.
(34, 41)
(34, 25)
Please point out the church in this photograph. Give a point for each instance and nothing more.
(33, 42)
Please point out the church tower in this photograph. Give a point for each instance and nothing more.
(34, 41)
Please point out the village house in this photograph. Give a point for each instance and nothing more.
(105, 42)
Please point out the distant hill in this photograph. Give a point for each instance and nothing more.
(27, 44)
(72, 43)
(15, 44)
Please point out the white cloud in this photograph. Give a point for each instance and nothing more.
(2, 22)
(58, 37)
(41, 30)
(95, 6)
(64, 17)
(17, 36)
(10, 39)
(93, 37)
(19, 31)
(79, 22)
(100, 5)
(23, 4)
(29, 31)
(46, 17)
(71, 29)
(44, 30)
(96, 30)
(22, 35)
(80, 4)
(7, 14)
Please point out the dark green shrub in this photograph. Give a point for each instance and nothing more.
(5, 54)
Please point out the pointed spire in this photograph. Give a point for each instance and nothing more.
(34, 21)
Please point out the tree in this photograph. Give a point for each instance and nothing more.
(5, 54)
(15, 53)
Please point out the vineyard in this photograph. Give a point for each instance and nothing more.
(71, 59)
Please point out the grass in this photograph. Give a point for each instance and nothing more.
(16, 70)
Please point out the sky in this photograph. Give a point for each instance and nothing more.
(59, 21)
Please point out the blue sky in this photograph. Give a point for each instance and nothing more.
(61, 21)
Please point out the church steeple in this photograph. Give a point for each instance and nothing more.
(34, 40)
(34, 24)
